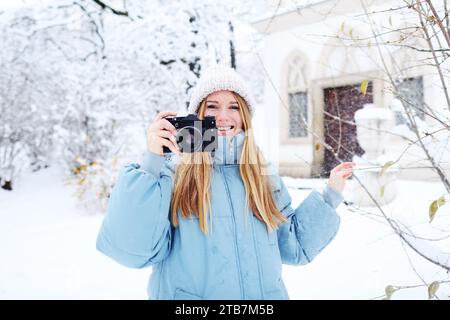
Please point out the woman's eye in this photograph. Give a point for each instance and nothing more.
(235, 108)
(211, 107)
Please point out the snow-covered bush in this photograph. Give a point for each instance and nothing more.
(93, 183)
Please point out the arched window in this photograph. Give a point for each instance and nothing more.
(297, 98)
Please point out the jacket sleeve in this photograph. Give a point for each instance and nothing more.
(136, 230)
(310, 227)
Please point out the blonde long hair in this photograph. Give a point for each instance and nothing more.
(192, 194)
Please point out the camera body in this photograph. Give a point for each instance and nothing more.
(194, 134)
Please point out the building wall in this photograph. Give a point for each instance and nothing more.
(328, 64)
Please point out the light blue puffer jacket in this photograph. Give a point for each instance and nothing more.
(238, 259)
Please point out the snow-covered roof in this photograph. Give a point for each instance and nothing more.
(282, 18)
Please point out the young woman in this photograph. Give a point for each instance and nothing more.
(215, 226)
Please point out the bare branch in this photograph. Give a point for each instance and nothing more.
(411, 119)
(104, 6)
(439, 22)
(430, 44)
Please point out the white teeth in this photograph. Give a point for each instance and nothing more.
(224, 128)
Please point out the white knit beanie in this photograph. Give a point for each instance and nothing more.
(216, 78)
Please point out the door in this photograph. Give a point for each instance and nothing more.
(341, 104)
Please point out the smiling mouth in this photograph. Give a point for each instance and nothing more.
(225, 128)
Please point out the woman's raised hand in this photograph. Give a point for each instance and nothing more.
(339, 174)
(162, 133)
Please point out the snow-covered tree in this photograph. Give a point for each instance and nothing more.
(30, 92)
(83, 79)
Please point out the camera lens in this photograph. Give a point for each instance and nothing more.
(189, 139)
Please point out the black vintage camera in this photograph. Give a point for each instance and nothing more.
(194, 134)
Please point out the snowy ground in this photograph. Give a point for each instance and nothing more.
(47, 250)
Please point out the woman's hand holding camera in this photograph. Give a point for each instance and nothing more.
(339, 175)
(162, 133)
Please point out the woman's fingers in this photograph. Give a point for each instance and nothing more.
(166, 134)
(347, 165)
(166, 125)
(346, 176)
(344, 172)
(169, 144)
(163, 114)
(340, 174)
(160, 134)
(338, 167)
(344, 166)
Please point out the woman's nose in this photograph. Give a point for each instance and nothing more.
(222, 114)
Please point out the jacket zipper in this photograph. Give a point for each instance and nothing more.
(234, 233)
